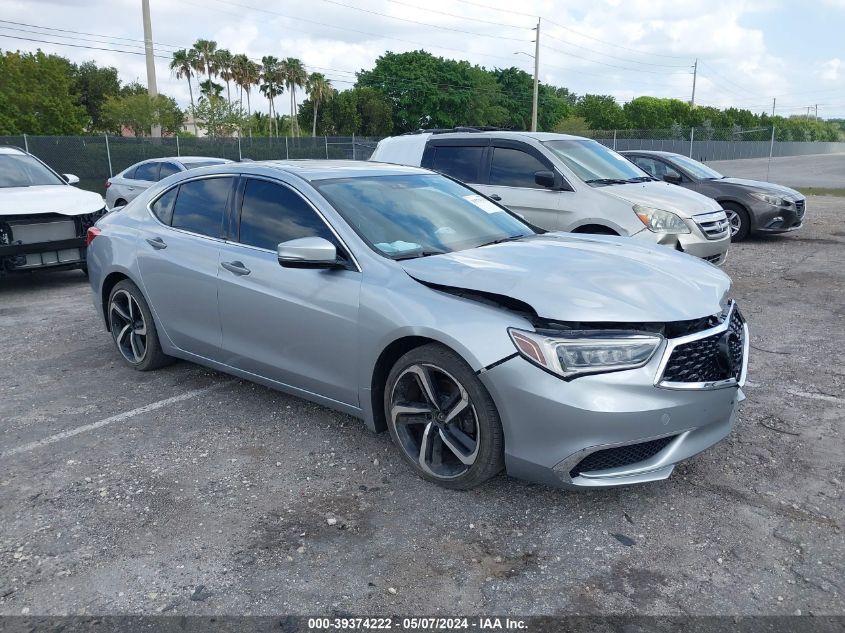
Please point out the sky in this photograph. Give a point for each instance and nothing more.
(749, 51)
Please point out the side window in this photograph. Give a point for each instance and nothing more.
(646, 164)
(201, 204)
(514, 168)
(147, 171)
(272, 213)
(163, 207)
(462, 163)
(167, 169)
(130, 172)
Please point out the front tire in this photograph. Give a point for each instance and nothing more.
(442, 418)
(739, 221)
(133, 329)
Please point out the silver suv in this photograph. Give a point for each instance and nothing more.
(569, 183)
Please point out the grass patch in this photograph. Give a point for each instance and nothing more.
(822, 191)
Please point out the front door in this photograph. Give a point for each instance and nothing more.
(295, 326)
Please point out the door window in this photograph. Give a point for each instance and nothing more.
(200, 205)
(163, 207)
(656, 168)
(147, 171)
(272, 213)
(514, 168)
(167, 169)
(462, 163)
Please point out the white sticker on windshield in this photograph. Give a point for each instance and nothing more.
(483, 203)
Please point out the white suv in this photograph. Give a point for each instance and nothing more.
(569, 183)
(43, 219)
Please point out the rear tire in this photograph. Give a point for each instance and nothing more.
(442, 418)
(739, 221)
(133, 329)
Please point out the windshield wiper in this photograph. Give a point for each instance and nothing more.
(606, 181)
(427, 253)
(641, 179)
(501, 240)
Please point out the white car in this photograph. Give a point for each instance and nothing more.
(135, 179)
(43, 218)
(568, 183)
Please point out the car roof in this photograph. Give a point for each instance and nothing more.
(649, 152)
(539, 136)
(199, 159)
(310, 169)
(11, 149)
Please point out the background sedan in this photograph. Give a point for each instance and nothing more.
(752, 206)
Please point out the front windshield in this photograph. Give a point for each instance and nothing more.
(21, 170)
(696, 169)
(416, 215)
(595, 164)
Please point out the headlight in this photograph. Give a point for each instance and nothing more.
(660, 220)
(775, 201)
(578, 352)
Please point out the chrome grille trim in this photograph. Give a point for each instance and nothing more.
(714, 225)
(671, 344)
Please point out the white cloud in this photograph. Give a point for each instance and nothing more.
(830, 69)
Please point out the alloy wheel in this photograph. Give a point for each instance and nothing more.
(435, 421)
(734, 220)
(128, 326)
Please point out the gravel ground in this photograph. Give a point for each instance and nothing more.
(240, 500)
(819, 170)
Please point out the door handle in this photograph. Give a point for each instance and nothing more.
(495, 196)
(156, 242)
(237, 268)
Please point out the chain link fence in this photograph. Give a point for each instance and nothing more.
(96, 158)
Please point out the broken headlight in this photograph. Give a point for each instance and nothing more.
(660, 220)
(578, 352)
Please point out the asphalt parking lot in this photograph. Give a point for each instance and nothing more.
(184, 491)
(819, 170)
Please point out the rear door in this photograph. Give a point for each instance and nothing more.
(293, 325)
(509, 178)
(179, 259)
(145, 175)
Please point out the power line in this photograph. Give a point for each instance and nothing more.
(624, 59)
(455, 15)
(590, 37)
(628, 68)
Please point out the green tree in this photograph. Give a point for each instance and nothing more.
(364, 111)
(94, 84)
(601, 112)
(223, 63)
(38, 95)
(649, 113)
(271, 84)
(140, 112)
(204, 55)
(294, 76)
(182, 64)
(218, 116)
(319, 91)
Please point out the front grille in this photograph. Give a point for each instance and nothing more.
(620, 456)
(42, 229)
(704, 359)
(715, 259)
(799, 208)
(714, 225)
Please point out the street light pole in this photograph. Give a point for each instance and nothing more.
(152, 89)
(536, 79)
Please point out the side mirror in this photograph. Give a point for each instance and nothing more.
(545, 178)
(308, 252)
(674, 179)
(71, 179)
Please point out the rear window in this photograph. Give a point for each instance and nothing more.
(206, 163)
(147, 171)
(462, 163)
(167, 169)
(163, 207)
(200, 205)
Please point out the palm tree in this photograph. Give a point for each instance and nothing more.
(209, 88)
(183, 64)
(271, 84)
(205, 51)
(320, 90)
(223, 64)
(240, 62)
(294, 75)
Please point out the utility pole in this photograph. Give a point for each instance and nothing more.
(536, 78)
(152, 89)
(694, 77)
(774, 101)
(817, 112)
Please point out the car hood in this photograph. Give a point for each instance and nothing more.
(759, 185)
(664, 196)
(61, 199)
(568, 277)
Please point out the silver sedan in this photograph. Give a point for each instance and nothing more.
(409, 300)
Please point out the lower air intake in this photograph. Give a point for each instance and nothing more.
(620, 456)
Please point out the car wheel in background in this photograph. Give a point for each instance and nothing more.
(133, 330)
(739, 220)
(443, 419)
